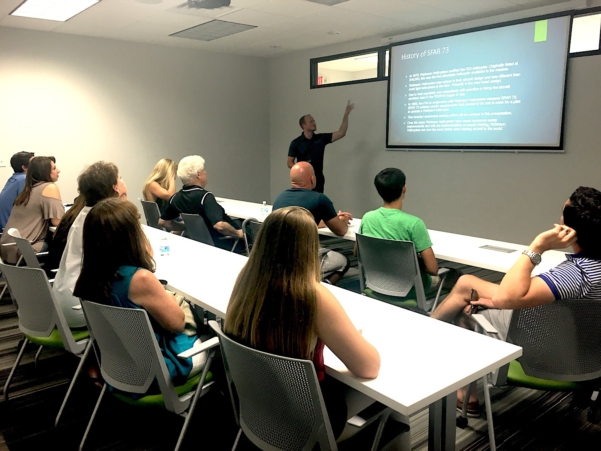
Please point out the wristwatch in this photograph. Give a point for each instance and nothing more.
(533, 256)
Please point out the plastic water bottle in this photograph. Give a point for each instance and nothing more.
(164, 247)
(264, 209)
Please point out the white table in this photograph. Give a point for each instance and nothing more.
(468, 250)
(423, 359)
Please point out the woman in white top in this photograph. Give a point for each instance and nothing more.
(97, 182)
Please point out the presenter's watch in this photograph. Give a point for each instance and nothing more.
(533, 256)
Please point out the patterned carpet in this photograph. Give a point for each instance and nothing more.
(524, 419)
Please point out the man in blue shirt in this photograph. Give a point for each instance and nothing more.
(14, 185)
(333, 264)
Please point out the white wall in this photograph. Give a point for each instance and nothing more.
(84, 99)
(510, 197)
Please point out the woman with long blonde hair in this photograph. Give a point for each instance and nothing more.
(160, 184)
(278, 305)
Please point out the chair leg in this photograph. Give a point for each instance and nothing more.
(82, 360)
(235, 244)
(12, 371)
(197, 395)
(85, 435)
(237, 440)
(37, 356)
(438, 292)
(378, 436)
(489, 419)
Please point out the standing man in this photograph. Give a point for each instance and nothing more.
(310, 146)
(14, 185)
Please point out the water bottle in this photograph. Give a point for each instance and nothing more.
(264, 209)
(164, 247)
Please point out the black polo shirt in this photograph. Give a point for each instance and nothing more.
(318, 204)
(312, 151)
(193, 199)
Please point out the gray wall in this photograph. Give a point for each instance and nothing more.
(508, 197)
(83, 99)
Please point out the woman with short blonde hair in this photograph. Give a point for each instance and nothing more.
(160, 184)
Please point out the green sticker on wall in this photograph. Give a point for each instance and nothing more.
(540, 30)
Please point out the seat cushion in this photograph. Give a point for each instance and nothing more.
(157, 400)
(406, 302)
(517, 377)
(54, 339)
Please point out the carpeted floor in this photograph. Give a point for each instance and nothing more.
(524, 419)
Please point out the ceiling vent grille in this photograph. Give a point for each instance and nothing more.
(212, 30)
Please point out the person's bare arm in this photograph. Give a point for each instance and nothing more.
(339, 224)
(52, 191)
(518, 288)
(341, 133)
(290, 162)
(161, 193)
(336, 330)
(146, 291)
(226, 229)
(172, 226)
(430, 261)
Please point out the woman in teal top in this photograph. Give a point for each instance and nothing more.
(118, 270)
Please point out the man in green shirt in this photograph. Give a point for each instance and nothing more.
(392, 223)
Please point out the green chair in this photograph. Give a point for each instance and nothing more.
(42, 320)
(561, 345)
(131, 361)
(389, 272)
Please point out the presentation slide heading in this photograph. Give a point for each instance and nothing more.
(426, 53)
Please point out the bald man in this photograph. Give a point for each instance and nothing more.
(302, 178)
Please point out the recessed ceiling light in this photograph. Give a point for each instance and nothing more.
(333, 32)
(274, 46)
(59, 10)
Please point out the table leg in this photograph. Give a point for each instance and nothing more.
(441, 432)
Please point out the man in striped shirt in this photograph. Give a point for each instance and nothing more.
(579, 277)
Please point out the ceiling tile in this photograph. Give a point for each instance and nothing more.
(290, 8)
(251, 17)
(30, 24)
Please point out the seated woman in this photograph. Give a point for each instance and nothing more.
(279, 306)
(160, 184)
(56, 245)
(97, 182)
(37, 207)
(118, 270)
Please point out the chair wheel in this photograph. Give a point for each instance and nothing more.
(461, 422)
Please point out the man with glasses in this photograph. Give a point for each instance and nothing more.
(193, 198)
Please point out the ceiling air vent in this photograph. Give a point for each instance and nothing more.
(212, 30)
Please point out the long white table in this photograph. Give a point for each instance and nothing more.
(423, 361)
(473, 251)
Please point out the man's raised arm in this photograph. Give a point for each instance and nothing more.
(341, 133)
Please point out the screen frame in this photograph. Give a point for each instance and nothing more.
(493, 147)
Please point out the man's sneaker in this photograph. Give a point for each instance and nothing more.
(474, 409)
